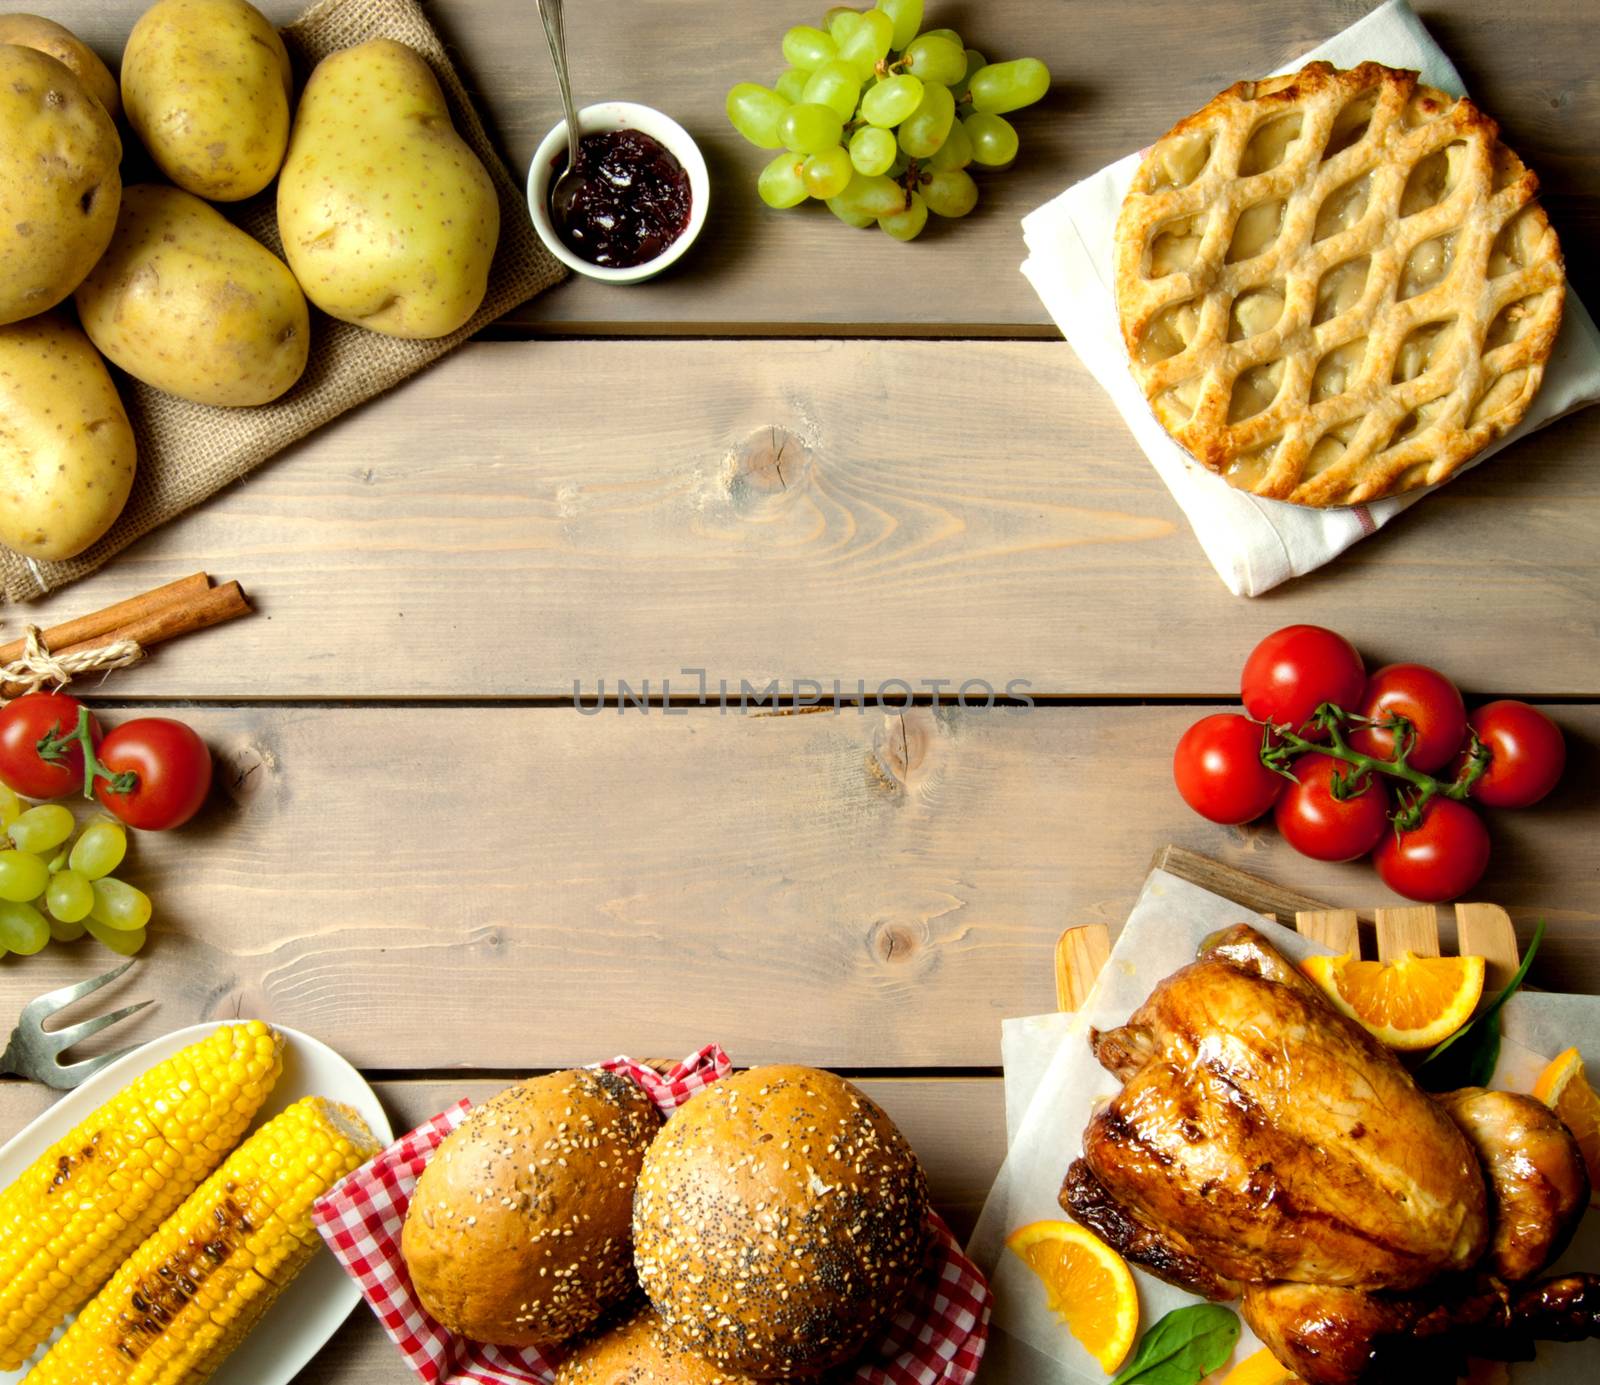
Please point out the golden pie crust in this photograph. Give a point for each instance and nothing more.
(1336, 285)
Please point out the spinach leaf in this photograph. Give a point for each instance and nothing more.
(1183, 1348)
(1474, 1049)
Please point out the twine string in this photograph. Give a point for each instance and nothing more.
(38, 667)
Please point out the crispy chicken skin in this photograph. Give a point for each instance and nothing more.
(1259, 1136)
(1335, 1336)
(1538, 1185)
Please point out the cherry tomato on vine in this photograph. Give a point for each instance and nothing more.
(1325, 828)
(1296, 669)
(173, 769)
(1527, 754)
(23, 724)
(1441, 858)
(1428, 700)
(1217, 767)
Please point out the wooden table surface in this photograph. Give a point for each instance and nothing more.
(422, 854)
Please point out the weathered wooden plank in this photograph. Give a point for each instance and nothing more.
(507, 888)
(1123, 74)
(956, 1125)
(530, 515)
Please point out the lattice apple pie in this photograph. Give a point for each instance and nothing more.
(1336, 286)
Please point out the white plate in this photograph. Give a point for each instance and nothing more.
(311, 1309)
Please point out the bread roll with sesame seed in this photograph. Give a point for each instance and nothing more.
(641, 1351)
(779, 1219)
(518, 1231)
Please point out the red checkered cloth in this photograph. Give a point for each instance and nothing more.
(937, 1338)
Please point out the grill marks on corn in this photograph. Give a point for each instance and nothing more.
(86, 1204)
(778, 1258)
(159, 1295)
(189, 1294)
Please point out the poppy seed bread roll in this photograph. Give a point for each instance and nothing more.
(779, 1220)
(518, 1233)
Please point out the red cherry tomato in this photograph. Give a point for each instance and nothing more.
(173, 768)
(1325, 828)
(1428, 700)
(1527, 754)
(1441, 858)
(23, 724)
(1296, 669)
(1217, 767)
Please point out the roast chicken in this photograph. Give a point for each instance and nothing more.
(1265, 1148)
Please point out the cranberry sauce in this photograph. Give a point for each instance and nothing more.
(628, 201)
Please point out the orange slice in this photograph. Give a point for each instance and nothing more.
(1412, 1003)
(1565, 1089)
(1261, 1369)
(1087, 1284)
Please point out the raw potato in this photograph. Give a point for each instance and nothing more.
(206, 84)
(388, 218)
(186, 301)
(66, 449)
(59, 185)
(30, 31)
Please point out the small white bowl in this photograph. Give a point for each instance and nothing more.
(620, 115)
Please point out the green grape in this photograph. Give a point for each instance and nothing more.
(907, 17)
(22, 928)
(924, 130)
(23, 876)
(907, 225)
(69, 897)
(892, 100)
(873, 197)
(791, 86)
(869, 44)
(42, 829)
(809, 128)
(872, 150)
(860, 220)
(994, 139)
(836, 86)
(975, 63)
(755, 112)
(828, 174)
(10, 806)
(841, 21)
(99, 849)
(65, 932)
(118, 905)
(935, 58)
(1003, 87)
(950, 193)
(955, 152)
(780, 183)
(124, 941)
(807, 47)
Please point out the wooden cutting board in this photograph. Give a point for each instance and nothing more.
(1386, 932)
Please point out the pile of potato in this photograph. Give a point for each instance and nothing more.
(388, 221)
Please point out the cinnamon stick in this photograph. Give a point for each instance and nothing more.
(83, 629)
(211, 607)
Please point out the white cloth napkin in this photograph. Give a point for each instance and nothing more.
(1253, 543)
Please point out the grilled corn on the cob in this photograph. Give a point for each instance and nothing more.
(189, 1294)
(85, 1204)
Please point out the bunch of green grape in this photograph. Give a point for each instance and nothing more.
(72, 880)
(881, 120)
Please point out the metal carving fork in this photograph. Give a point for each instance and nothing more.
(33, 1050)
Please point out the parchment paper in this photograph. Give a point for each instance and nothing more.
(1052, 1082)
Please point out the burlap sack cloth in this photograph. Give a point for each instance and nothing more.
(188, 452)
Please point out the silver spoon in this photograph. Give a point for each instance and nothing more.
(555, 35)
